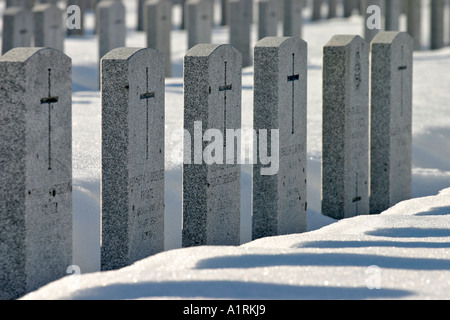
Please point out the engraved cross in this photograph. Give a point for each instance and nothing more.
(294, 77)
(226, 87)
(402, 68)
(147, 96)
(49, 100)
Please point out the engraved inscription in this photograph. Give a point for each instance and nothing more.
(47, 199)
(145, 203)
(292, 149)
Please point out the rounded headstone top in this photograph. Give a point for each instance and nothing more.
(390, 36)
(126, 53)
(275, 41)
(343, 40)
(122, 53)
(46, 6)
(13, 10)
(204, 50)
(24, 54)
(280, 42)
(108, 4)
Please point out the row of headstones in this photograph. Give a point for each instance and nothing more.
(291, 14)
(413, 9)
(26, 24)
(349, 6)
(36, 137)
(112, 30)
(82, 4)
(43, 25)
(156, 17)
(49, 26)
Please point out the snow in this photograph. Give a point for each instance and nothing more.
(409, 244)
(403, 254)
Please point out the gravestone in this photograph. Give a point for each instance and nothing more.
(140, 26)
(213, 9)
(267, 18)
(17, 28)
(317, 10)
(437, 24)
(158, 18)
(414, 22)
(345, 150)
(224, 12)
(82, 5)
(211, 189)
(241, 16)
(279, 200)
(36, 174)
(111, 26)
(20, 3)
(132, 156)
(332, 8)
(199, 21)
(49, 30)
(183, 14)
(349, 6)
(391, 120)
(372, 22)
(392, 14)
(292, 18)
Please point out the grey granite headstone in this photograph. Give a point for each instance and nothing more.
(414, 22)
(268, 18)
(349, 6)
(292, 18)
(241, 16)
(224, 12)
(183, 14)
(158, 26)
(332, 9)
(372, 22)
(392, 14)
(391, 120)
(132, 156)
(20, 3)
(345, 147)
(82, 5)
(279, 200)
(140, 26)
(213, 10)
(212, 100)
(111, 26)
(49, 30)
(36, 174)
(437, 24)
(49, 1)
(17, 28)
(317, 10)
(198, 20)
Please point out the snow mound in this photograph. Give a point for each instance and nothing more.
(400, 254)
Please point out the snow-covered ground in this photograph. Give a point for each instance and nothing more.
(401, 254)
(404, 251)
